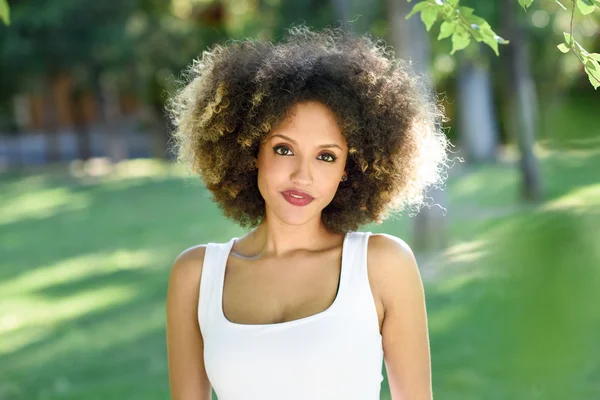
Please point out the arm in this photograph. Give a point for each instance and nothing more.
(404, 330)
(185, 348)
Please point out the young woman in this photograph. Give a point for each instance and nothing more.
(303, 141)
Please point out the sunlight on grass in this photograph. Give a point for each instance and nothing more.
(446, 319)
(33, 311)
(581, 200)
(460, 255)
(486, 186)
(126, 169)
(77, 268)
(41, 204)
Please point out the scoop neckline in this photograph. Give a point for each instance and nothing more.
(328, 310)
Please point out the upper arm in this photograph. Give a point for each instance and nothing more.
(185, 347)
(404, 331)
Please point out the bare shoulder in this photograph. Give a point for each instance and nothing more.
(188, 263)
(390, 254)
(184, 279)
(384, 245)
(392, 266)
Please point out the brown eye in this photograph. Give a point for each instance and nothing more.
(282, 150)
(328, 157)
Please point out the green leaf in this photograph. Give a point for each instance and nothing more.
(460, 40)
(446, 29)
(567, 37)
(585, 6)
(594, 56)
(525, 3)
(418, 7)
(564, 48)
(594, 78)
(465, 11)
(493, 43)
(590, 65)
(4, 12)
(428, 16)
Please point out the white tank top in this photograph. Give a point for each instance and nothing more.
(335, 354)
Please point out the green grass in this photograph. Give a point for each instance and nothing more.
(512, 303)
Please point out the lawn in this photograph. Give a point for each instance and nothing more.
(513, 303)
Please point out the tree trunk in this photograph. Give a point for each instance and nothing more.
(158, 123)
(82, 132)
(522, 102)
(411, 42)
(107, 95)
(50, 121)
(476, 118)
(22, 113)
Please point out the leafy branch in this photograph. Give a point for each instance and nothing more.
(590, 61)
(463, 25)
(459, 22)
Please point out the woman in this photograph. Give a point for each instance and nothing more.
(303, 141)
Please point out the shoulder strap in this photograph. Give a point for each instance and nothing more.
(211, 280)
(357, 255)
(358, 280)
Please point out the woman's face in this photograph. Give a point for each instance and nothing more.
(301, 163)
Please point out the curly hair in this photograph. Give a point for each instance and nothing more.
(234, 94)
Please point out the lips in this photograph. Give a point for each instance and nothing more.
(297, 197)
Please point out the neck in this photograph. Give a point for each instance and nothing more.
(273, 239)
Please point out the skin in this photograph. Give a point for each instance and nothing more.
(294, 156)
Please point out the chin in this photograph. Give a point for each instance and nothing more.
(295, 216)
(295, 219)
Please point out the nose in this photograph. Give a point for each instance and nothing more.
(302, 175)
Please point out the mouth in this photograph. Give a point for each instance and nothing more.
(297, 198)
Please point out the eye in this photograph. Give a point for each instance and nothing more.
(282, 150)
(328, 157)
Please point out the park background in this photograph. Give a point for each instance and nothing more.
(93, 210)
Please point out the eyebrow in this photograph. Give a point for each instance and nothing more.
(293, 141)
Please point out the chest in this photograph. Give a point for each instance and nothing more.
(268, 292)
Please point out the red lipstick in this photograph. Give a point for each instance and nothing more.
(297, 197)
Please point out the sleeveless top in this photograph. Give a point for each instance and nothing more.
(334, 354)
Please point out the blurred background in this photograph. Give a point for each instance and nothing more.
(93, 210)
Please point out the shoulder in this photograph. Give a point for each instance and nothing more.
(184, 277)
(188, 262)
(389, 252)
(392, 266)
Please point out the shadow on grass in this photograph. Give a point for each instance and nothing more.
(167, 214)
(123, 239)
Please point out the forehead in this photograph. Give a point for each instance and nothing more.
(310, 121)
